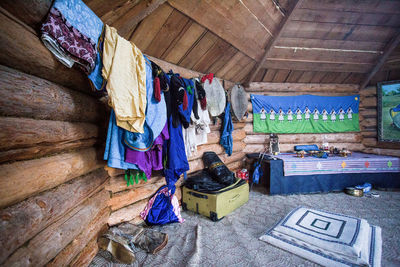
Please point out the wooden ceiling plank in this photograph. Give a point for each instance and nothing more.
(147, 31)
(318, 76)
(233, 73)
(232, 62)
(281, 28)
(392, 45)
(167, 34)
(294, 76)
(115, 11)
(394, 75)
(354, 78)
(346, 17)
(212, 55)
(199, 50)
(281, 76)
(184, 43)
(316, 65)
(102, 7)
(342, 76)
(172, 45)
(330, 77)
(242, 75)
(262, 14)
(208, 14)
(306, 77)
(260, 75)
(326, 31)
(387, 7)
(269, 75)
(127, 22)
(318, 55)
(223, 59)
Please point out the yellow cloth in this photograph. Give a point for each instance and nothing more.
(124, 68)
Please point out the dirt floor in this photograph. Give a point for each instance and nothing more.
(233, 241)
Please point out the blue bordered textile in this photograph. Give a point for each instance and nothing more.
(327, 238)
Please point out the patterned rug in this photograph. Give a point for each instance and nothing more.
(233, 241)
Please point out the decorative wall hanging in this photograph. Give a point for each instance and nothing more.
(305, 114)
(389, 111)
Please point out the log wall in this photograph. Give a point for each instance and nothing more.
(54, 191)
(368, 110)
(53, 202)
(257, 142)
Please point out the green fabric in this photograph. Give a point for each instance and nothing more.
(133, 176)
(303, 126)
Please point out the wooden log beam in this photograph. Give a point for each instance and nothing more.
(22, 179)
(22, 221)
(24, 95)
(87, 254)
(281, 28)
(127, 213)
(184, 72)
(94, 230)
(373, 142)
(41, 150)
(118, 183)
(23, 132)
(127, 197)
(383, 151)
(306, 138)
(392, 45)
(251, 148)
(49, 242)
(22, 50)
(302, 87)
(30, 13)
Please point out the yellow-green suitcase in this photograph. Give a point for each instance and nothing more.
(217, 204)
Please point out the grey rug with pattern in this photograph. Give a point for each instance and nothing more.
(233, 241)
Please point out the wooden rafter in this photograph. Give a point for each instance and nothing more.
(282, 25)
(388, 50)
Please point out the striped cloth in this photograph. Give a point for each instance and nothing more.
(356, 163)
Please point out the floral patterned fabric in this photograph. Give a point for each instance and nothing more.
(81, 17)
(70, 39)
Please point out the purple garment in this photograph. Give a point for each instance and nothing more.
(151, 159)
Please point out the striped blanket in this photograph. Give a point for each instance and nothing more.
(356, 163)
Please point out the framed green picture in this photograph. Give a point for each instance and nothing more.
(389, 111)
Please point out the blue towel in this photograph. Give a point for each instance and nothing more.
(156, 112)
(226, 136)
(115, 149)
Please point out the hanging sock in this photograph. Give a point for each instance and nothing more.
(185, 101)
(157, 89)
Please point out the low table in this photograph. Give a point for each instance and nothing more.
(315, 183)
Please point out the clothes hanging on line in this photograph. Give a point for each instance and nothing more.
(124, 69)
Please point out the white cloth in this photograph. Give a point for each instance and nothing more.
(327, 238)
(196, 133)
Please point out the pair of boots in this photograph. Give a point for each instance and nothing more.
(121, 240)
